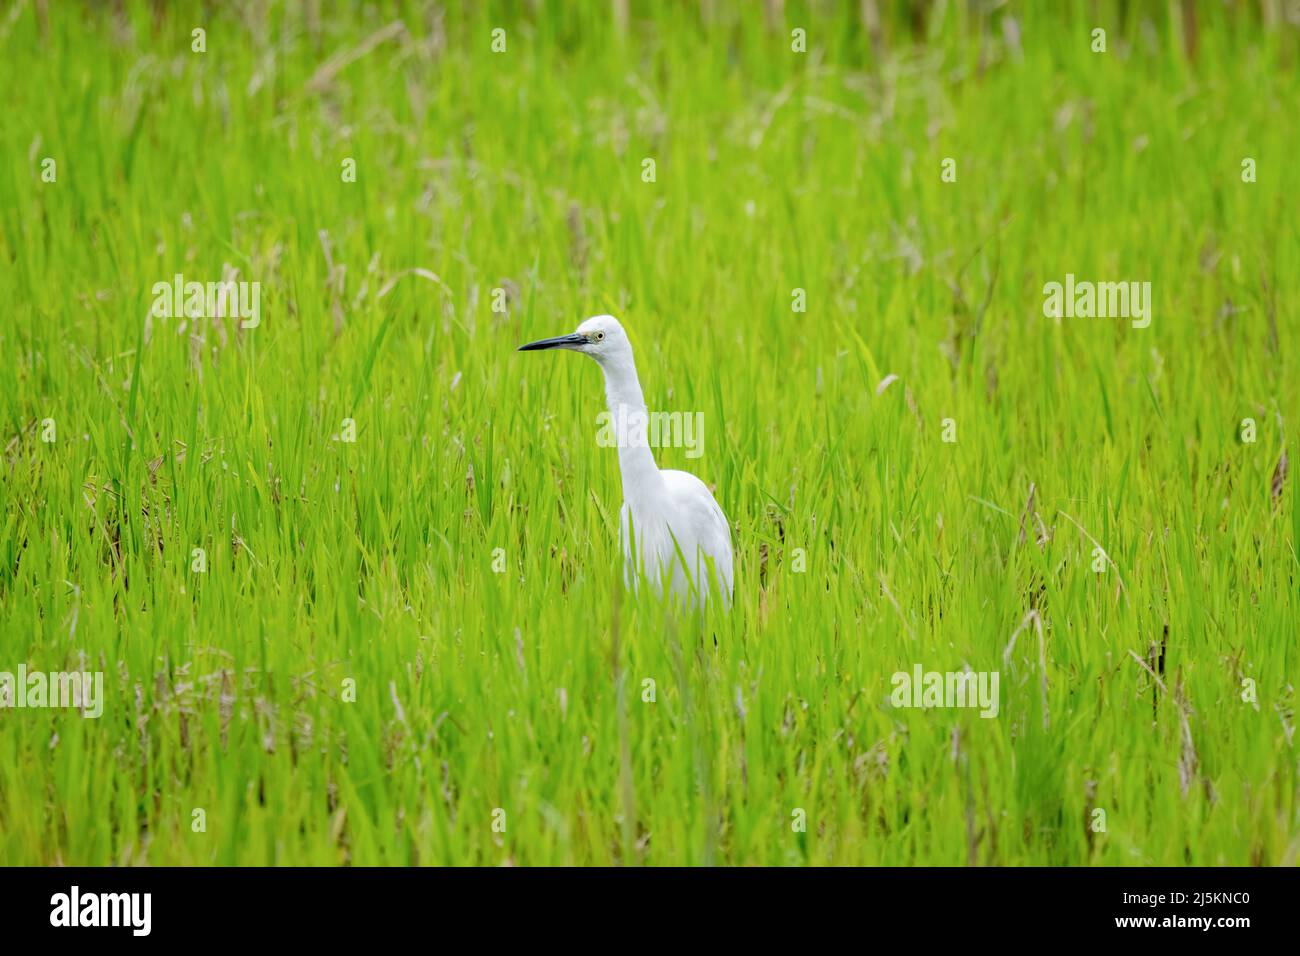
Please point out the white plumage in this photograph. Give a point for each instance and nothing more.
(671, 528)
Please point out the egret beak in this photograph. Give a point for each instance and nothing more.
(559, 342)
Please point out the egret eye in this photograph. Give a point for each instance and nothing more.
(599, 336)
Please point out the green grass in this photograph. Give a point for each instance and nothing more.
(372, 561)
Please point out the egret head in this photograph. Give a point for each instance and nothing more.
(601, 337)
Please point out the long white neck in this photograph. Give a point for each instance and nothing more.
(641, 478)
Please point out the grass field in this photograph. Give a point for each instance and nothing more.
(415, 648)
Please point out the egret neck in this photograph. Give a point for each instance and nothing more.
(641, 477)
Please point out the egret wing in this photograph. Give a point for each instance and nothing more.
(700, 519)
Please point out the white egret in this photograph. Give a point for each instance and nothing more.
(670, 526)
